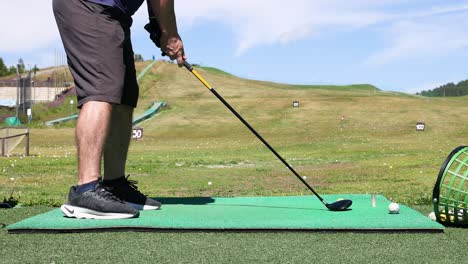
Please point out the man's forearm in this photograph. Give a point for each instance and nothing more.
(164, 11)
(169, 39)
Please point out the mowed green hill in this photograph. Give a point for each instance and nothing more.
(376, 148)
(343, 139)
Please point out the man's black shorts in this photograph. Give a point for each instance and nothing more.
(97, 42)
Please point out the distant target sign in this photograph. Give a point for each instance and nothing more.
(420, 126)
(137, 133)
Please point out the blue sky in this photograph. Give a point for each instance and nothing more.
(397, 45)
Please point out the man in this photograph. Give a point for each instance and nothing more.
(96, 38)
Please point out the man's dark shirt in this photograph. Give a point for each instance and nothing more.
(129, 7)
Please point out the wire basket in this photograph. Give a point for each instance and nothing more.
(450, 195)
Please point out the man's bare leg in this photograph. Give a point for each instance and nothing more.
(115, 158)
(91, 131)
(89, 199)
(118, 141)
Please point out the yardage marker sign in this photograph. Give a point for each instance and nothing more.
(137, 133)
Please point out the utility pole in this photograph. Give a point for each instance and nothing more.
(18, 79)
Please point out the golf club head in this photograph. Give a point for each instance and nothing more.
(341, 205)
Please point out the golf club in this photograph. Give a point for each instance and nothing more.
(340, 205)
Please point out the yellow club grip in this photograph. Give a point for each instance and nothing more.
(192, 70)
(207, 85)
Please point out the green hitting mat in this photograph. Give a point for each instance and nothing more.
(280, 213)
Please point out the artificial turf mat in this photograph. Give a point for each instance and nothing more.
(282, 213)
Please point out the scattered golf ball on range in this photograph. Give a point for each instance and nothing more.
(209, 183)
(393, 208)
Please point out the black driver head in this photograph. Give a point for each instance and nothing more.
(341, 205)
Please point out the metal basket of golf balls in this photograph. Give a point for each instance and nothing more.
(450, 195)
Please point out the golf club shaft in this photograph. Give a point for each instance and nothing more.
(208, 86)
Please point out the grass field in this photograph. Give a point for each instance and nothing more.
(345, 139)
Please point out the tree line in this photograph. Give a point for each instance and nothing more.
(449, 89)
(12, 70)
(21, 68)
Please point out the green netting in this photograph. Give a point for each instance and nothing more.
(13, 121)
(145, 70)
(148, 113)
(450, 195)
(61, 120)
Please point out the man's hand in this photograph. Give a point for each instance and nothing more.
(171, 43)
(172, 46)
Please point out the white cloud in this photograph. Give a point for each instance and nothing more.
(441, 10)
(27, 25)
(434, 32)
(420, 38)
(264, 22)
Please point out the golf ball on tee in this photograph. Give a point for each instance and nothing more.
(432, 216)
(393, 208)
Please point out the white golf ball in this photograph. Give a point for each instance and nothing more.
(393, 208)
(432, 216)
(209, 183)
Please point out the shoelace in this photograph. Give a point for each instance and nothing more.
(131, 183)
(104, 193)
(125, 185)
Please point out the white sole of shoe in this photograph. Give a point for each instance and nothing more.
(85, 213)
(143, 207)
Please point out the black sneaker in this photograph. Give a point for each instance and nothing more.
(96, 204)
(127, 191)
